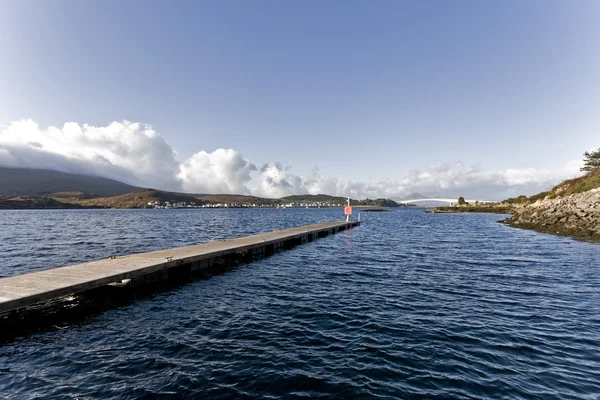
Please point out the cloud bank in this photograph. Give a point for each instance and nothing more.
(222, 171)
(126, 151)
(134, 153)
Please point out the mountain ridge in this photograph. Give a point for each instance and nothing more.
(40, 182)
(78, 190)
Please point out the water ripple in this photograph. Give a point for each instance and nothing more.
(409, 305)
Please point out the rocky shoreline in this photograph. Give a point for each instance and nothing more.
(576, 215)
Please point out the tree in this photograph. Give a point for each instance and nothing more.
(591, 161)
(461, 201)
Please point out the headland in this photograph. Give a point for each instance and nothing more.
(571, 208)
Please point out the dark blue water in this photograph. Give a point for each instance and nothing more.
(408, 305)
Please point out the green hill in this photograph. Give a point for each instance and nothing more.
(578, 185)
(582, 184)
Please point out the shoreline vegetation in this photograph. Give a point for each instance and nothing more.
(571, 208)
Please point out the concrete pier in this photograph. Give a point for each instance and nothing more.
(145, 268)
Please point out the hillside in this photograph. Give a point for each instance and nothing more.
(37, 203)
(570, 208)
(569, 187)
(141, 198)
(376, 203)
(578, 185)
(137, 199)
(90, 191)
(38, 182)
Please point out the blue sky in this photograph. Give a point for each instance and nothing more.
(365, 91)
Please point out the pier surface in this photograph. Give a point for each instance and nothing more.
(28, 289)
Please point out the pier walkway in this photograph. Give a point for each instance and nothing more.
(139, 269)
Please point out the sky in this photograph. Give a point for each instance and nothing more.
(362, 98)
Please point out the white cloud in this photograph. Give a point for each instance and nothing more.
(222, 171)
(127, 151)
(136, 154)
(438, 180)
(277, 181)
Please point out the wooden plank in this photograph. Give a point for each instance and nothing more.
(27, 289)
